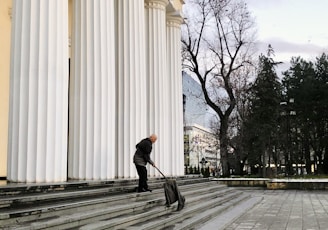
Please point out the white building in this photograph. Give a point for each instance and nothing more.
(88, 80)
(201, 143)
(201, 148)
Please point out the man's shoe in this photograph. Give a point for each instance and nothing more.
(142, 190)
(145, 190)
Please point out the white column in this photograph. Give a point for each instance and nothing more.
(37, 145)
(131, 85)
(92, 139)
(157, 80)
(175, 95)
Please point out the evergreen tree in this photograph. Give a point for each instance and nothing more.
(261, 124)
(298, 84)
(307, 83)
(321, 112)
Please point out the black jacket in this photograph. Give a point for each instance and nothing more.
(142, 154)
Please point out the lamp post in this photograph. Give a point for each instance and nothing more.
(198, 157)
(216, 162)
(196, 147)
(203, 162)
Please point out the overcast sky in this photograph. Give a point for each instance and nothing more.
(292, 27)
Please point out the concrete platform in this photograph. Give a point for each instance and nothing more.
(301, 184)
(275, 210)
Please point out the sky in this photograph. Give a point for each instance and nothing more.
(292, 27)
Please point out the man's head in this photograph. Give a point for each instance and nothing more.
(153, 138)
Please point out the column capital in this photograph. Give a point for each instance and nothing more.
(173, 15)
(174, 20)
(157, 4)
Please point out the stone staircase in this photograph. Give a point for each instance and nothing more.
(113, 205)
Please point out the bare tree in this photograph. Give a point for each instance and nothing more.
(217, 42)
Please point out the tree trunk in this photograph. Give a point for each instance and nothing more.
(223, 137)
(264, 164)
(307, 154)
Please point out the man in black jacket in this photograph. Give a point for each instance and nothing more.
(141, 158)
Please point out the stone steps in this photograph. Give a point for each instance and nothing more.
(208, 214)
(167, 218)
(121, 205)
(119, 184)
(99, 208)
(31, 202)
(10, 198)
(155, 213)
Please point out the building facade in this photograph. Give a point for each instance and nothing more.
(201, 149)
(87, 80)
(196, 111)
(201, 146)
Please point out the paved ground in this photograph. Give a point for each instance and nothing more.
(277, 210)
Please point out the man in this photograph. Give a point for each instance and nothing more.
(141, 158)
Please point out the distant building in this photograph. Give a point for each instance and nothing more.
(201, 149)
(196, 111)
(201, 146)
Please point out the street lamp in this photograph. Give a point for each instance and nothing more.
(196, 147)
(203, 162)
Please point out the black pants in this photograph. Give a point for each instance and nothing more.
(142, 172)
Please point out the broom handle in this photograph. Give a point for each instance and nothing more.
(159, 171)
